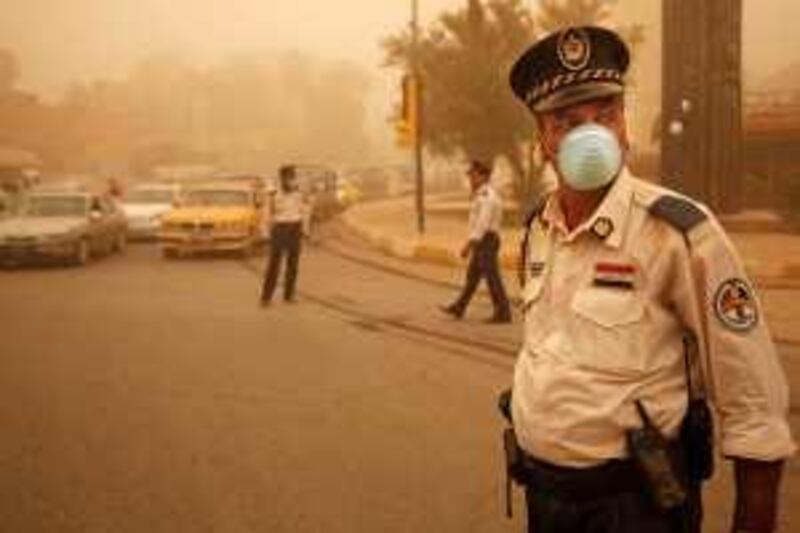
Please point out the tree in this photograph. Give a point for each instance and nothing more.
(464, 60)
(556, 14)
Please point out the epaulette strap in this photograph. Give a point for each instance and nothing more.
(526, 233)
(678, 212)
(533, 213)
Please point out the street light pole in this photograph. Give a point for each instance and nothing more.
(418, 120)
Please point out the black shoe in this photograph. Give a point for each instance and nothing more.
(264, 303)
(452, 310)
(290, 300)
(498, 319)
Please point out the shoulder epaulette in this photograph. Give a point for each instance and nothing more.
(530, 216)
(535, 211)
(678, 212)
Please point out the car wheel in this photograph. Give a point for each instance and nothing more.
(82, 253)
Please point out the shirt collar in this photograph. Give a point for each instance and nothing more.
(609, 220)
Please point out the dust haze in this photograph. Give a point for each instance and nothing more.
(253, 83)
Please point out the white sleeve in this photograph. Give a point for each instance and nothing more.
(744, 376)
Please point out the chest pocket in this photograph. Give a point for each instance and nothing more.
(608, 329)
(608, 307)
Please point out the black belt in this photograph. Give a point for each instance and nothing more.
(613, 477)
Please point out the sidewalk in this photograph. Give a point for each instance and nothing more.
(771, 259)
(390, 226)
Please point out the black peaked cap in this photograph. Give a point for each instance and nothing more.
(570, 66)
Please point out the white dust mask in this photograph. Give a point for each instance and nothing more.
(589, 157)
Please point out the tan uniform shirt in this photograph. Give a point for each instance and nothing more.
(288, 207)
(486, 212)
(606, 308)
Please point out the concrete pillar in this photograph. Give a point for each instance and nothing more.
(701, 100)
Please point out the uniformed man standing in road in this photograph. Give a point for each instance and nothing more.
(621, 279)
(483, 246)
(288, 212)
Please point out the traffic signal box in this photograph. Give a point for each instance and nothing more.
(407, 124)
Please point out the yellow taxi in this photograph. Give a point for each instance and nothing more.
(214, 217)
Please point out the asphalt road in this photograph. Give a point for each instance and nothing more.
(144, 395)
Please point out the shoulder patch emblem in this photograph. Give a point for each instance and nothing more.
(735, 305)
(678, 212)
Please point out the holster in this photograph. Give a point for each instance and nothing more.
(515, 458)
(697, 440)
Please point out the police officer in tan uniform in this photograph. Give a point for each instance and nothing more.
(483, 247)
(288, 213)
(621, 279)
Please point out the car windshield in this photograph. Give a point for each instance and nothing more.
(217, 198)
(56, 206)
(150, 196)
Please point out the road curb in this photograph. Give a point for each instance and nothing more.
(772, 276)
(784, 275)
(417, 249)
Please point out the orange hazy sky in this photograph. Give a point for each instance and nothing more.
(62, 40)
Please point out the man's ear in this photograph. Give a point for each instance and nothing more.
(545, 141)
(625, 140)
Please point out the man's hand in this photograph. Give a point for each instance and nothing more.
(757, 485)
(466, 249)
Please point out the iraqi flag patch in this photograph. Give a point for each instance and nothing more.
(614, 275)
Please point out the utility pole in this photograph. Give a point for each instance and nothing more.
(419, 122)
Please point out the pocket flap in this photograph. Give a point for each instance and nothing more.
(608, 307)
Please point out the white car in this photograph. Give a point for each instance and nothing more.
(144, 207)
(68, 226)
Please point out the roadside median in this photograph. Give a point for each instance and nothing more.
(772, 258)
(390, 226)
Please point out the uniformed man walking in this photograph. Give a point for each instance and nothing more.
(622, 279)
(288, 213)
(483, 246)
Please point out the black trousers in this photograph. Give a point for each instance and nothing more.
(615, 502)
(285, 239)
(484, 264)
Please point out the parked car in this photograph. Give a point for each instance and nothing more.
(214, 217)
(66, 226)
(145, 205)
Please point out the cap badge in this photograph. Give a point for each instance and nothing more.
(735, 305)
(574, 49)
